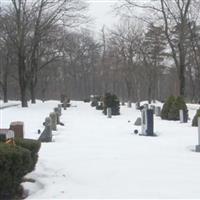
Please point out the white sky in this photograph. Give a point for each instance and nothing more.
(102, 13)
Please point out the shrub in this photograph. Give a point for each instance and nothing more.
(166, 107)
(195, 119)
(33, 146)
(111, 101)
(15, 163)
(171, 108)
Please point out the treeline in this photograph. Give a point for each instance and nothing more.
(43, 56)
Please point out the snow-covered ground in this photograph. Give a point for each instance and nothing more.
(96, 157)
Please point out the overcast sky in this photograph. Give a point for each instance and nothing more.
(102, 12)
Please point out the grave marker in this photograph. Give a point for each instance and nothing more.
(129, 104)
(109, 112)
(183, 116)
(53, 117)
(56, 110)
(46, 135)
(138, 122)
(18, 128)
(158, 111)
(198, 146)
(137, 105)
(147, 122)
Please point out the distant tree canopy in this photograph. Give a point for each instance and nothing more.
(43, 54)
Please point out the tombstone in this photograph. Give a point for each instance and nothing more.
(6, 134)
(146, 106)
(123, 103)
(65, 102)
(56, 110)
(138, 122)
(152, 107)
(109, 112)
(63, 97)
(198, 146)
(183, 116)
(137, 105)
(53, 117)
(18, 128)
(46, 135)
(158, 111)
(60, 109)
(147, 122)
(129, 104)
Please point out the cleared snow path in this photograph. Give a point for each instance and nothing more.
(96, 157)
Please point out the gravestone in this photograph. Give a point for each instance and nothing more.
(46, 135)
(109, 112)
(56, 110)
(158, 111)
(137, 105)
(60, 109)
(65, 103)
(138, 122)
(198, 146)
(6, 134)
(129, 104)
(183, 116)
(147, 122)
(53, 117)
(152, 107)
(18, 128)
(146, 106)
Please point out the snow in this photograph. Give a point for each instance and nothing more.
(96, 157)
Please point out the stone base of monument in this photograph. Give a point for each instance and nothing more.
(197, 148)
(153, 135)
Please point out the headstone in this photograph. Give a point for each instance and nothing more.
(109, 112)
(147, 122)
(152, 107)
(60, 109)
(183, 115)
(123, 103)
(198, 146)
(65, 102)
(146, 106)
(18, 128)
(138, 122)
(53, 117)
(6, 134)
(56, 110)
(158, 111)
(46, 135)
(137, 105)
(129, 104)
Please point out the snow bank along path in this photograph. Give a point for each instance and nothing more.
(96, 157)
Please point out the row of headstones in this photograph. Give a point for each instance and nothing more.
(51, 123)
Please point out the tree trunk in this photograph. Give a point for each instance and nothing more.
(32, 92)
(5, 94)
(22, 79)
(182, 80)
(149, 94)
(24, 102)
(5, 87)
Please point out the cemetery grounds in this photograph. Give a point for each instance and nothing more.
(96, 157)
